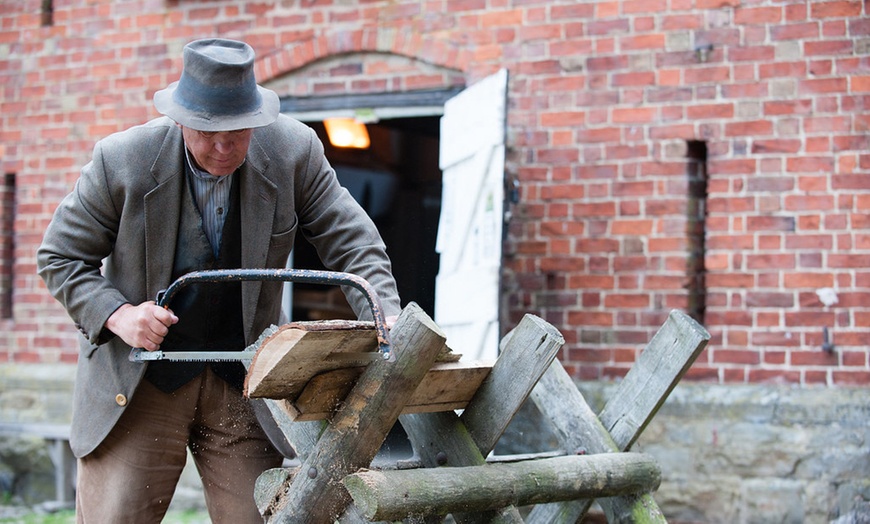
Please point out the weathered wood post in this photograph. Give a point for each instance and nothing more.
(639, 395)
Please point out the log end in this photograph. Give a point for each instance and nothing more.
(361, 486)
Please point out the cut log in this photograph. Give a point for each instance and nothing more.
(294, 353)
(394, 495)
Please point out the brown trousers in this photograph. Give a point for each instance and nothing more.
(132, 475)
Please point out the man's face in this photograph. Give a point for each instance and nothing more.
(218, 153)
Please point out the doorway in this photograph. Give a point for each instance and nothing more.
(433, 181)
(398, 182)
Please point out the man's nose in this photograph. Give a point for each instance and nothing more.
(223, 144)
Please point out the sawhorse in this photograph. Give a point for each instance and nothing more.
(365, 402)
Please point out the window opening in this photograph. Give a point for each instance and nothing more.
(47, 13)
(696, 171)
(7, 244)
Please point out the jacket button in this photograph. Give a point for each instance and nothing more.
(121, 400)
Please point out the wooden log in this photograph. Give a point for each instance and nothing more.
(393, 495)
(445, 439)
(359, 427)
(269, 484)
(659, 368)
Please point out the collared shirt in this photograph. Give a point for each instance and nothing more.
(212, 196)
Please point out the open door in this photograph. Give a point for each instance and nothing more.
(470, 228)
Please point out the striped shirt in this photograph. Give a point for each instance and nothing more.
(212, 196)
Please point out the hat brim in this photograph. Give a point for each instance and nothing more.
(263, 116)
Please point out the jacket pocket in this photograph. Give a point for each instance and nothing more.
(285, 237)
(280, 245)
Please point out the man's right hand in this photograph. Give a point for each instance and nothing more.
(143, 326)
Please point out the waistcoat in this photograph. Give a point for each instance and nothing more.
(210, 313)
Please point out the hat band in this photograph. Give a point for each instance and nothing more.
(209, 100)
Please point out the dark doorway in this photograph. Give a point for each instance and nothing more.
(398, 182)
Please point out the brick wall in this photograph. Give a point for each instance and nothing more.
(708, 155)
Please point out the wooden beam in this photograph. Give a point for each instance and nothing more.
(393, 495)
(527, 352)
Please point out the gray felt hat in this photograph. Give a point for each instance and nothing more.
(217, 90)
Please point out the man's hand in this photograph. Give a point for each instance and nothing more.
(142, 326)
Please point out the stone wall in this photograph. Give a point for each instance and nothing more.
(746, 454)
(729, 454)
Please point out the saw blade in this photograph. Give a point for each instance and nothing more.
(141, 355)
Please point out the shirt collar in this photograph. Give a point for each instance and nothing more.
(200, 173)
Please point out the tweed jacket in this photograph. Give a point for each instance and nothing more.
(112, 240)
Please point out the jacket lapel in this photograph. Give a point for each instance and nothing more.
(258, 199)
(162, 208)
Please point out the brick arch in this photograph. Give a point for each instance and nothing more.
(437, 52)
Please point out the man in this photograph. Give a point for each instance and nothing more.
(221, 181)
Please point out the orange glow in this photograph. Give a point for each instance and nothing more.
(347, 132)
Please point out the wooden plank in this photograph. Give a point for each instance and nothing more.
(359, 427)
(668, 356)
(294, 353)
(392, 495)
(447, 386)
(274, 417)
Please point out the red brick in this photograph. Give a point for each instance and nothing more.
(707, 75)
(815, 377)
(773, 376)
(808, 280)
(776, 146)
(854, 358)
(815, 86)
(633, 115)
(782, 69)
(725, 356)
(642, 42)
(590, 318)
(755, 127)
(788, 107)
(794, 31)
(851, 378)
(850, 182)
(810, 164)
(836, 9)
